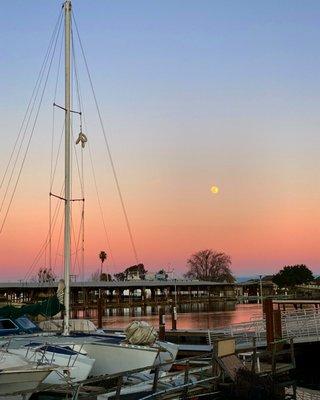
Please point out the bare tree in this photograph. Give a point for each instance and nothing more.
(95, 276)
(46, 275)
(210, 265)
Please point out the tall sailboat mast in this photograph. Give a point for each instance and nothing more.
(67, 195)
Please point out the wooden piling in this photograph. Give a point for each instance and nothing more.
(99, 307)
(174, 317)
(162, 324)
(186, 381)
(155, 379)
(268, 310)
(277, 324)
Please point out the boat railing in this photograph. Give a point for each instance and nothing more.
(201, 365)
(48, 356)
(6, 344)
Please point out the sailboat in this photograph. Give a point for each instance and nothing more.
(20, 376)
(111, 355)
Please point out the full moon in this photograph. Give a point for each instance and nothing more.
(214, 190)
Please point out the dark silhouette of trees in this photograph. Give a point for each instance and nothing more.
(130, 272)
(120, 276)
(105, 277)
(46, 275)
(97, 276)
(210, 265)
(292, 275)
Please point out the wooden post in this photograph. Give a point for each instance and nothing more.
(155, 379)
(268, 309)
(277, 324)
(273, 360)
(119, 386)
(186, 381)
(162, 324)
(99, 306)
(174, 318)
(254, 356)
(293, 359)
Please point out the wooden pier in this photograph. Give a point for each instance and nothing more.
(112, 298)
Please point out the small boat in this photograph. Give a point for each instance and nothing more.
(167, 351)
(18, 375)
(70, 365)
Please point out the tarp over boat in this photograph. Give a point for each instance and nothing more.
(48, 308)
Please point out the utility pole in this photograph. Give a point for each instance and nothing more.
(261, 294)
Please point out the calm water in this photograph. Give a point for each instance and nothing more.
(194, 320)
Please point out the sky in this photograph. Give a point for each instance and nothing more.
(192, 94)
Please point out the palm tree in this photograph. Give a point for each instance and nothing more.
(103, 257)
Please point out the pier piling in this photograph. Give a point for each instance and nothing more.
(162, 324)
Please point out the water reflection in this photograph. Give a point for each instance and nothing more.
(194, 320)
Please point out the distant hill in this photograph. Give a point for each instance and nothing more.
(244, 278)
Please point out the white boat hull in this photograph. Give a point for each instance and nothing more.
(21, 380)
(18, 375)
(67, 368)
(112, 359)
(167, 356)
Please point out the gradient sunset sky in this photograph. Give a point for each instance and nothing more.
(192, 94)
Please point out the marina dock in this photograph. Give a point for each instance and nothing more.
(87, 298)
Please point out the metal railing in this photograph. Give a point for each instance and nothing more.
(303, 325)
(242, 332)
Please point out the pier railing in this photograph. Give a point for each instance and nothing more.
(303, 325)
(244, 333)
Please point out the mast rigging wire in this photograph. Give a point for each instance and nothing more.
(52, 152)
(108, 148)
(31, 98)
(45, 244)
(32, 132)
(81, 108)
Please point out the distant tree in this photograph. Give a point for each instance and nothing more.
(292, 275)
(210, 265)
(103, 257)
(46, 275)
(138, 269)
(97, 276)
(105, 277)
(134, 270)
(120, 276)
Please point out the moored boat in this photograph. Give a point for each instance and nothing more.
(18, 375)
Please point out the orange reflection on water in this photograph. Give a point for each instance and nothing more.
(194, 320)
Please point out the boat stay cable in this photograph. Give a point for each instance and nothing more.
(83, 121)
(52, 168)
(31, 101)
(45, 244)
(108, 148)
(47, 66)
